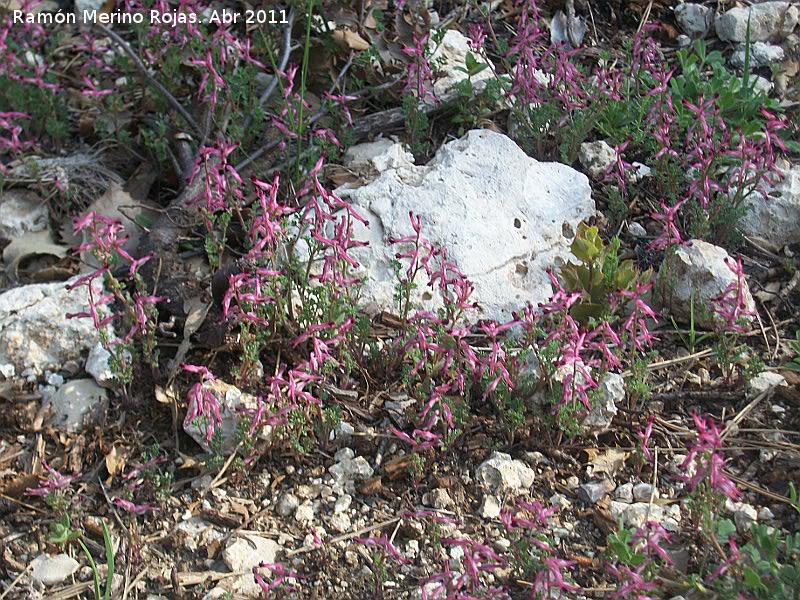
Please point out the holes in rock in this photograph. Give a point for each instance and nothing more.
(517, 223)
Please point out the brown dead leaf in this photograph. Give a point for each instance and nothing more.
(609, 462)
(371, 486)
(397, 466)
(116, 459)
(15, 487)
(347, 38)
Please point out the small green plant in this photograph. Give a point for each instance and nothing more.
(62, 533)
(691, 339)
(599, 274)
(794, 363)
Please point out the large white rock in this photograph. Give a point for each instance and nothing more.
(21, 212)
(761, 55)
(35, 332)
(50, 570)
(234, 406)
(693, 19)
(501, 473)
(611, 392)
(243, 553)
(503, 217)
(768, 21)
(699, 269)
(596, 157)
(448, 60)
(776, 218)
(77, 404)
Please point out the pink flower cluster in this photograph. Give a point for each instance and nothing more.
(705, 463)
(731, 305)
(105, 239)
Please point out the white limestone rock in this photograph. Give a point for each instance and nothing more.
(596, 157)
(76, 405)
(775, 220)
(611, 392)
(243, 553)
(699, 269)
(693, 19)
(768, 21)
(50, 570)
(35, 332)
(503, 217)
(232, 403)
(448, 60)
(21, 212)
(500, 473)
(761, 55)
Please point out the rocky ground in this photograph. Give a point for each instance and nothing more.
(329, 519)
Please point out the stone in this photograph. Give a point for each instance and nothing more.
(21, 212)
(624, 493)
(693, 19)
(642, 492)
(761, 55)
(490, 507)
(765, 514)
(448, 61)
(535, 208)
(234, 406)
(683, 41)
(344, 454)
(699, 270)
(242, 553)
(637, 230)
(50, 570)
(377, 156)
(762, 85)
(305, 512)
(638, 173)
(35, 332)
(195, 533)
(98, 367)
(439, 499)
(744, 517)
(596, 158)
(768, 21)
(344, 432)
(765, 382)
(76, 405)
(637, 514)
(611, 392)
(341, 522)
(500, 473)
(351, 469)
(775, 220)
(617, 509)
(287, 504)
(561, 501)
(342, 503)
(592, 492)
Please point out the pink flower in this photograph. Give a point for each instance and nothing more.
(645, 437)
(705, 458)
(136, 509)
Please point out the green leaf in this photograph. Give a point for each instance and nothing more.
(751, 578)
(725, 528)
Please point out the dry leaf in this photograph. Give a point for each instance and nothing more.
(117, 459)
(371, 486)
(609, 462)
(32, 253)
(348, 38)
